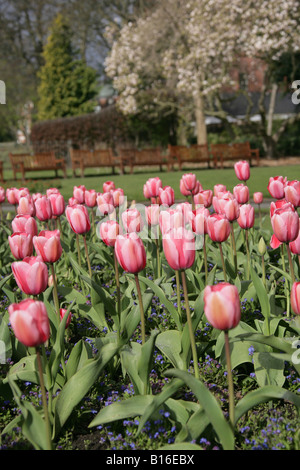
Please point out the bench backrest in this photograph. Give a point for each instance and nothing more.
(102, 156)
(44, 159)
(240, 150)
(147, 155)
(127, 154)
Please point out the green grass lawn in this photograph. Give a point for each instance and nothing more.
(133, 184)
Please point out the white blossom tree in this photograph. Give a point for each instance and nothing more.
(181, 54)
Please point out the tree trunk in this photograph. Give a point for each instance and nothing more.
(271, 109)
(201, 130)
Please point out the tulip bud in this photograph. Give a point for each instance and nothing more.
(62, 313)
(262, 248)
(90, 197)
(258, 197)
(241, 193)
(222, 306)
(57, 203)
(130, 252)
(30, 322)
(43, 208)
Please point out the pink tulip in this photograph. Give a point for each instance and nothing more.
(79, 193)
(20, 244)
(221, 200)
(118, 197)
(241, 193)
(57, 203)
(274, 242)
(280, 204)
(78, 218)
(242, 170)
(231, 209)
(90, 197)
(185, 208)
(222, 306)
(22, 192)
(31, 275)
(152, 214)
(130, 252)
(199, 220)
(295, 298)
(189, 181)
(108, 231)
(26, 206)
(258, 197)
(151, 187)
(2, 194)
(35, 196)
(292, 192)
(218, 227)
(219, 188)
(62, 313)
(170, 219)
(166, 196)
(295, 245)
(276, 187)
(11, 196)
(43, 209)
(246, 217)
(105, 203)
(285, 224)
(51, 191)
(204, 198)
(25, 223)
(132, 220)
(30, 322)
(73, 201)
(179, 248)
(47, 245)
(108, 186)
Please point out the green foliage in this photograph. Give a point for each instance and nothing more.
(67, 85)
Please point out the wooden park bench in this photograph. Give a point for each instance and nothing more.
(24, 162)
(181, 154)
(132, 157)
(233, 152)
(83, 159)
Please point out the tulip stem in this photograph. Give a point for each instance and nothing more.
(248, 254)
(44, 399)
(205, 257)
(118, 285)
(78, 249)
(233, 247)
(157, 257)
(190, 325)
(87, 256)
(178, 293)
(229, 379)
(138, 288)
(290, 262)
(55, 293)
(223, 262)
(263, 269)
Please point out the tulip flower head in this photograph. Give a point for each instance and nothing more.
(78, 218)
(31, 275)
(222, 306)
(108, 231)
(57, 204)
(218, 227)
(30, 322)
(43, 208)
(24, 223)
(204, 198)
(242, 170)
(179, 248)
(166, 196)
(276, 186)
(79, 193)
(246, 217)
(108, 186)
(105, 203)
(295, 298)
(62, 313)
(292, 192)
(285, 224)
(2, 194)
(295, 245)
(132, 220)
(151, 187)
(21, 244)
(258, 197)
(241, 193)
(47, 245)
(130, 252)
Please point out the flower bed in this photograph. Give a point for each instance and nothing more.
(156, 326)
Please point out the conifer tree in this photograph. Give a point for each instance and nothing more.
(67, 84)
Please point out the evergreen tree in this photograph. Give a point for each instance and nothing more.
(67, 84)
